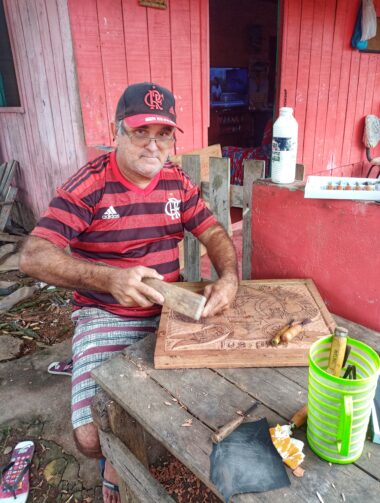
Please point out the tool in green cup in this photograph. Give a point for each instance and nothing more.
(339, 409)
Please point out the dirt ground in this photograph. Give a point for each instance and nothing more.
(43, 323)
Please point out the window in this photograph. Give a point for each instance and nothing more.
(9, 93)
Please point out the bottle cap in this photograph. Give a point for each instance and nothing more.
(286, 110)
(341, 331)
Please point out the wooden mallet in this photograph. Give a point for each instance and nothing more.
(179, 299)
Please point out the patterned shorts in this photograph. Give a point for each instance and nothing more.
(99, 336)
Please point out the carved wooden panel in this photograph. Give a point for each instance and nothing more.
(241, 336)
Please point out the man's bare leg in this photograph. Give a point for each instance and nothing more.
(87, 441)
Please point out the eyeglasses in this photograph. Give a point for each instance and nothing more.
(141, 138)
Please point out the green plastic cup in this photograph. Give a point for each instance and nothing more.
(339, 409)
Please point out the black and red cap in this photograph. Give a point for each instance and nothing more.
(147, 103)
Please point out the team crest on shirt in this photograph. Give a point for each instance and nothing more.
(172, 208)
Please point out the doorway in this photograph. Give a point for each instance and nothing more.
(243, 48)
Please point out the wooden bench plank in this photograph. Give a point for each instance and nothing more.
(144, 487)
(208, 397)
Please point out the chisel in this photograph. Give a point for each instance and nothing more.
(277, 338)
(179, 299)
(293, 331)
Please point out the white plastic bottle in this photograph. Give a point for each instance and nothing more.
(284, 147)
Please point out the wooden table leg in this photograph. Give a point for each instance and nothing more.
(109, 416)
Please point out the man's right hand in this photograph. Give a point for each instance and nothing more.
(127, 287)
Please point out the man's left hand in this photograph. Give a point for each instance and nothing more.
(220, 295)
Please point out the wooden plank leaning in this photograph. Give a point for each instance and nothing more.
(253, 170)
(7, 192)
(220, 194)
(192, 265)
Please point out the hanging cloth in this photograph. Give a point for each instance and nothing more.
(356, 41)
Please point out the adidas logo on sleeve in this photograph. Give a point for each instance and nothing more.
(110, 213)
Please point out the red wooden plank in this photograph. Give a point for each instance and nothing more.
(73, 98)
(136, 42)
(50, 38)
(60, 93)
(351, 105)
(195, 36)
(159, 46)
(111, 34)
(292, 51)
(321, 129)
(345, 75)
(357, 147)
(376, 94)
(329, 157)
(40, 92)
(357, 169)
(370, 86)
(182, 71)
(19, 143)
(283, 79)
(6, 149)
(85, 32)
(326, 172)
(313, 90)
(31, 136)
(31, 130)
(205, 69)
(303, 74)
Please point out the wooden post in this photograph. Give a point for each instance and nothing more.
(109, 416)
(220, 193)
(191, 164)
(253, 170)
(300, 170)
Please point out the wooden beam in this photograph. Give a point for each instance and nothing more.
(220, 194)
(253, 170)
(143, 486)
(192, 264)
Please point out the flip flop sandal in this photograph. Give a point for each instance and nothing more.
(61, 368)
(105, 482)
(14, 479)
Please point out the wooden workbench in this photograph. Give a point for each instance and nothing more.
(139, 413)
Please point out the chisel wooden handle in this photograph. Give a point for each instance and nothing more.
(291, 333)
(277, 338)
(228, 428)
(179, 299)
(299, 417)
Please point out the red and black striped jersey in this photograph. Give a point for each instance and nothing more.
(105, 218)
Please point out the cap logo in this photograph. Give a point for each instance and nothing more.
(153, 99)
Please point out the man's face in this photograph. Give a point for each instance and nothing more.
(140, 159)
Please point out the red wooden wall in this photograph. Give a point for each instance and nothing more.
(334, 242)
(331, 86)
(45, 134)
(119, 42)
